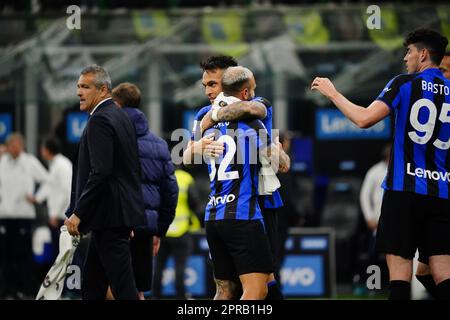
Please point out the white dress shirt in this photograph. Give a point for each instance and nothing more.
(18, 178)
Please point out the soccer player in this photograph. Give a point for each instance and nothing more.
(257, 108)
(423, 272)
(235, 227)
(415, 212)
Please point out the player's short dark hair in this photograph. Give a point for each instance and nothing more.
(52, 144)
(127, 95)
(218, 62)
(447, 54)
(432, 40)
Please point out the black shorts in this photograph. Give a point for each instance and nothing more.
(141, 248)
(411, 221)
(238, 247)
(271, 222)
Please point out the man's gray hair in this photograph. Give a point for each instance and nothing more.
(234, 78)
(101, 78)
(15, 136)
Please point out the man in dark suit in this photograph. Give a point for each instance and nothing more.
(106, 192)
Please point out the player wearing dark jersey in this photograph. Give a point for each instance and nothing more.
(234, 224)
(257, 108)
(415, 213)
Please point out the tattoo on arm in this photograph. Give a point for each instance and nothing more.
(242, 110)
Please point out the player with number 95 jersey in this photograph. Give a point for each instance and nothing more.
(415, 212)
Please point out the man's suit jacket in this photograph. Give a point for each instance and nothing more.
(106, 189)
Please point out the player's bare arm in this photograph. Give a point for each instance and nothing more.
(242, 110)
(362, 117)
(237, 111)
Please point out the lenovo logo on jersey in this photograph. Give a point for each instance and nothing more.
(428, 174)
(214, 201)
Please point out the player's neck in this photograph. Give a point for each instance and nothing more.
(426, 65)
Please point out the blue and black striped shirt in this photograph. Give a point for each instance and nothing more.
(234, 176)
(271, 201)
(420, 157)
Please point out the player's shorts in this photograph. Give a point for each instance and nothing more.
(411, 221)
(238, 247)
(270, 216)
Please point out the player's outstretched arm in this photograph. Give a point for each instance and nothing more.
(362, 117)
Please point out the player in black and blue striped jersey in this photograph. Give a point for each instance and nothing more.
(256, 108)
(415, 213)
(234, 222)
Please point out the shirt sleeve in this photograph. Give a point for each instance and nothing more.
(38, 171)
(264, 101)
(392, 91)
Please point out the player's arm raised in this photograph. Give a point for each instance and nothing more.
(362, 117)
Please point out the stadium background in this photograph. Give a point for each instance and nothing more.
(158, 45)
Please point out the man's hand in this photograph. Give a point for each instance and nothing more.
(72, 225)
(372, 224)
(53, 223)
(31, 199)
(324, 86)
(284, 166)
(156, 245)
(207, 122)
(214, 149)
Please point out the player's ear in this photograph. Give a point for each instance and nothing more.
(245, 94)
(424, 54)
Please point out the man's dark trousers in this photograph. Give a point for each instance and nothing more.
(108, 262)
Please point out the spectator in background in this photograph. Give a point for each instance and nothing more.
(178, 242)
(159, 187)
(2, 149)
(371, 195)
(19, 174)
(288, 215)
(56, 190)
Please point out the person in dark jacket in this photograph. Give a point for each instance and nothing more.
(159, 187)
(106, 197)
